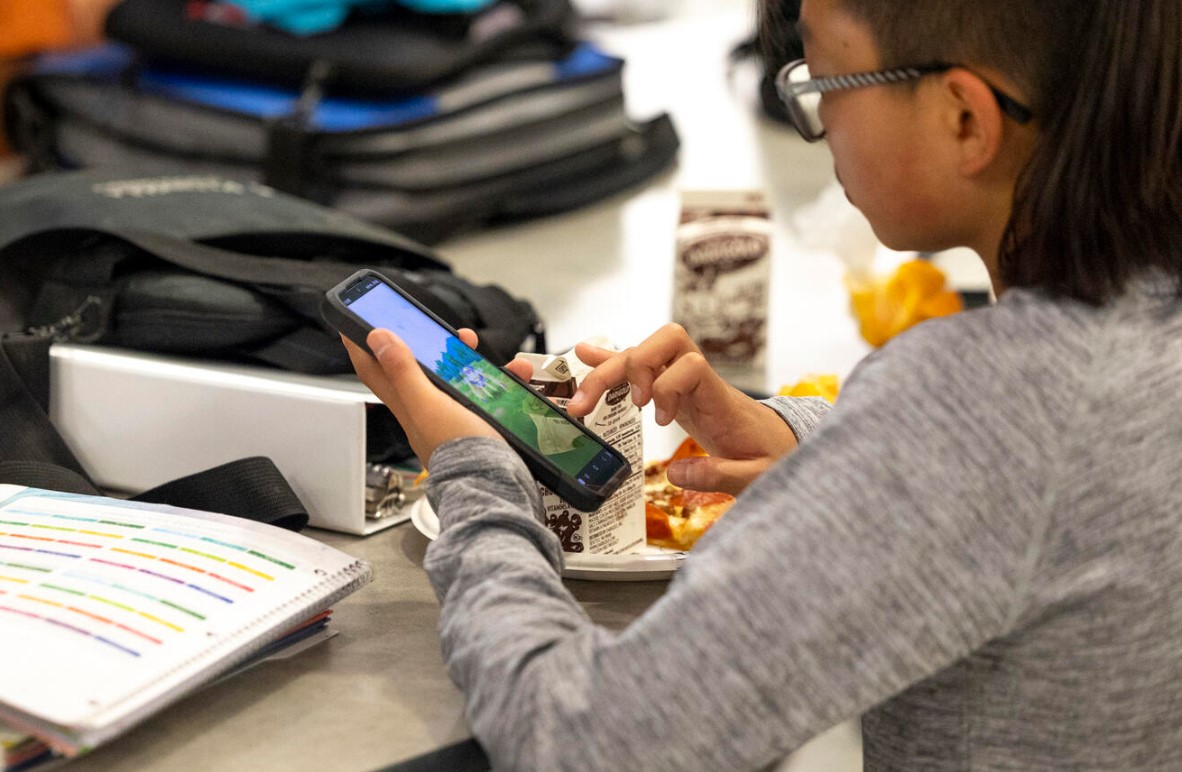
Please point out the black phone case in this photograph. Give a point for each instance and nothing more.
(581, 498)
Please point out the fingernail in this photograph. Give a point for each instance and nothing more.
(663, 417)
(576, 399)
(683, 473)
(379, 341)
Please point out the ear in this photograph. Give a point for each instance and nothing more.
(975, 120)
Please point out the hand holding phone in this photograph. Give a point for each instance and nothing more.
(428, 416)
(581, 468)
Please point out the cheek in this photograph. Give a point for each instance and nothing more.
(884, 177)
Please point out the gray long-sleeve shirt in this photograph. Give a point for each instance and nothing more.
(977, 548)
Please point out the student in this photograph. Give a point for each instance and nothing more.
(979, 548)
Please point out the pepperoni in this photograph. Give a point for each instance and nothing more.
(656, 523)
(704, 498)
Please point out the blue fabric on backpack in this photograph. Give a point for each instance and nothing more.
(260, 100)
(395, 50)
(310, 17)
(446, 6)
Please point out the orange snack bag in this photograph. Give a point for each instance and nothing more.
(913, 293)
(814, 385)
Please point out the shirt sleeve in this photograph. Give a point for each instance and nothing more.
(802, 414)
(891, 544)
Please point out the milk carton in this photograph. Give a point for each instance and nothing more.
(618, 526)
(721, 276)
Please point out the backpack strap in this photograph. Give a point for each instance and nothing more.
(492, 305)
(32, 453)
(28, 436)
(302, 284)
(252, 488)
(37, 474)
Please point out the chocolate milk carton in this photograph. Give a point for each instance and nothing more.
(617, 527)
(721, 275)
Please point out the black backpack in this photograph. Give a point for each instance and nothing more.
(212, 267)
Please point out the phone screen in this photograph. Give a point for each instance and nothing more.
(513, 406)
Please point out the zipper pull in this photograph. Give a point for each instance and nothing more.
(67, 328)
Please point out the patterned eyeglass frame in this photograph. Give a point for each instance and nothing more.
(790, 91)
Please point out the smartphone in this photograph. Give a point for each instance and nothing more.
(577, 464)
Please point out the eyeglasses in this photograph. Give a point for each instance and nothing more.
(801, 93)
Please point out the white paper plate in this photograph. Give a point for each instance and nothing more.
(650, 564)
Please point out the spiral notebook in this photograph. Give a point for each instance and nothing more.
(111, 610)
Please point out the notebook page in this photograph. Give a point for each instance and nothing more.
(106, 606)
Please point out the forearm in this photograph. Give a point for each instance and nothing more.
(496, 571)
(546, 688)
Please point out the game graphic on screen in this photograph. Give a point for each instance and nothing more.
(514, 406)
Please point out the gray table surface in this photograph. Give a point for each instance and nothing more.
(374, 694)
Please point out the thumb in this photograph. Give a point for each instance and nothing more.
(405, 381)
(709, 473)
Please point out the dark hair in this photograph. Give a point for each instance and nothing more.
(777, 39)
(1100, 200)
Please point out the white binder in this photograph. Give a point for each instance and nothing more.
(136, 420)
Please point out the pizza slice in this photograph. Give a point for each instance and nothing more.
(676, 518)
